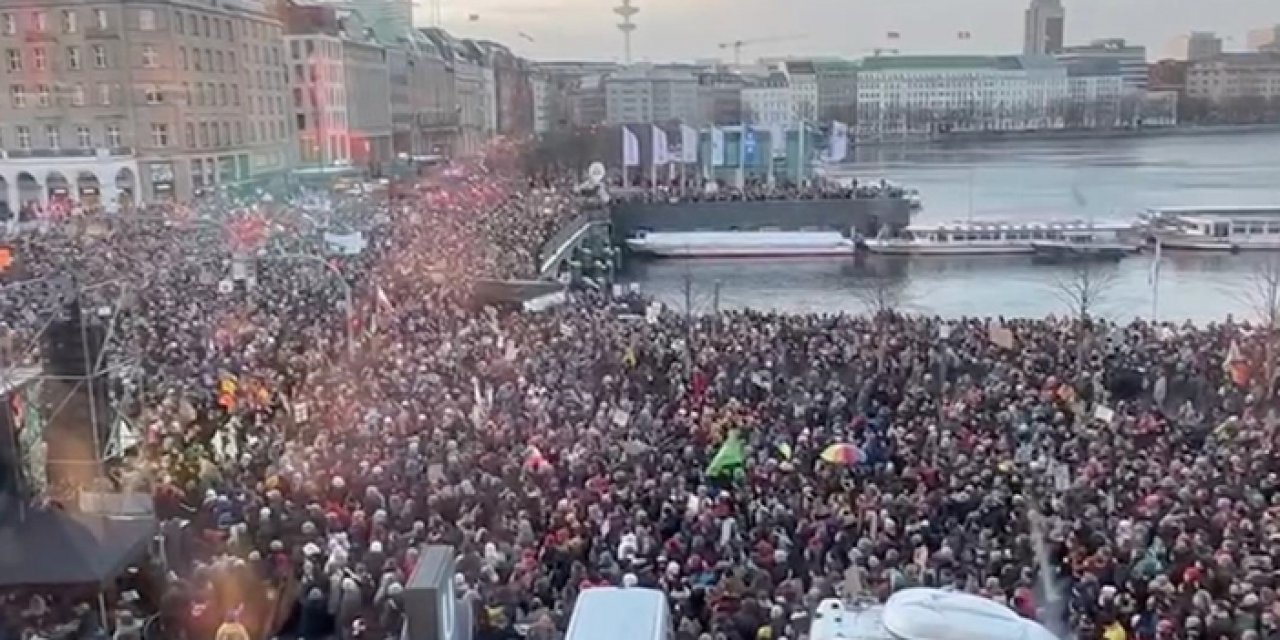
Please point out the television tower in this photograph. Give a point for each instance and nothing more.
(626, 27)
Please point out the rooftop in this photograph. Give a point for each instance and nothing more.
(904, 63)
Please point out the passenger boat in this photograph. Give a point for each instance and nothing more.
(1216, 228)
(1001, 238)
(742, 244)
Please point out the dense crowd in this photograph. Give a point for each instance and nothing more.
(753, 189)
(1111, 480)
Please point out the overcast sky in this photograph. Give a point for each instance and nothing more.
(688, 29)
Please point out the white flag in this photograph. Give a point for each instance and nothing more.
(659, 146)
(717, 147)
(630, 148)
(839, 144)
(688, 144)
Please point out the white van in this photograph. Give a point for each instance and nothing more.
(612, 613)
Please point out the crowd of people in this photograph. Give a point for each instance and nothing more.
(754, 189)
(1112, 480)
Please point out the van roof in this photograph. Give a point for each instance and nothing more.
(615, 614)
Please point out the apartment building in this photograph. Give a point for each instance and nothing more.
(110, 101)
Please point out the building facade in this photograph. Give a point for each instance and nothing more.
(1249, 76)
(1203, 45)
(112, 101)
(644, 93)
(1132, 59)
(769, 101)
(368, 92)
(837, 89)
(720, 97)
(922, 95)
(1043, 32)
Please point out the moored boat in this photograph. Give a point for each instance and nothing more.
(742, 244)
(1216, 228)
(1002, 238)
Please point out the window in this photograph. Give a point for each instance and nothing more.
(77, 95)
(190, 135)
(222, 95)
(104, 94)
(18, 96)
(53, 136)
(208, 59)
(39, 60)
(186, 93)
(221, 62)
(192, 27)
(99, 57)
(215, 135)
(297, 97)
(204, 23)
(195, 60)
(149, 56)
(178, 24)
(42, 95)
(226, 133)
(153, 94)
(73, 58)
(40, 21)
(159, 135)
(239, 132)
(100, 18)
(15, 59)
(231, 61)
(147, 19)
(113, 136)
(70, 24)
(302, 122)
(24, 137)
(182, 58)
(204, 134)
(235, 95)
(84, 137)
(294, 50)
(10, 23)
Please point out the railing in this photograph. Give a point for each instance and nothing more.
(553, 249)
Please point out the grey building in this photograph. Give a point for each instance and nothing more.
(1132, 59)
(1045, 22)
(644, 93)
(1203, 45)
(720, 98)
(837, 89)
(111, 101)
(341, 89)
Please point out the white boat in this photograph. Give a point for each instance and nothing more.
(923, 614)
(1216, 228)
(997, 238)
(742, 244)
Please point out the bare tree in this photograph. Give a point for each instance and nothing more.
(880, 293)
(1262, 293)
(1083, 287)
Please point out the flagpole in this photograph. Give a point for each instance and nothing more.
(1155, 283)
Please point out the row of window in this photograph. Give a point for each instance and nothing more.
(38, 21)
(74, 61)
(205, 135)
(333, 96)
(44, 95)
(306, 49)
(53, 137)
(207, 60)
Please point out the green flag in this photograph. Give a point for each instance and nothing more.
(729, 458)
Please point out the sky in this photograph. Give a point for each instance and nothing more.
(670, 30)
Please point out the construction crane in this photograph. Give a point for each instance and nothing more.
(737, 45)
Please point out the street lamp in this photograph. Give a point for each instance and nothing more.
(346, 288)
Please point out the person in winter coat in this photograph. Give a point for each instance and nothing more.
(315, 622)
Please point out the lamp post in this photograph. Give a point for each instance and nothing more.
(346, 288)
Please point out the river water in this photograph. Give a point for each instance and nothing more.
(1061, 180)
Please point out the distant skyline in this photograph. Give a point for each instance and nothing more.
(671, 30)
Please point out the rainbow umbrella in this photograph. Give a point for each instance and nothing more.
(842, 453)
